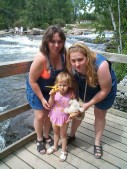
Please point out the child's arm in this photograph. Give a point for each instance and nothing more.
(51, 98)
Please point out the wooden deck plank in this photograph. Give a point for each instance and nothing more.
(125, 167)
(77, 161)
(3, 165)
(32, 159)
(107, 128)
(14, 162)
(105, 139)
(114, 137)
(118, 137)
(107, 158)
(110, 148)
(106, 147)
(50, 159)
(108, 122)
(110, 117)
(85, 155)
(118, 114)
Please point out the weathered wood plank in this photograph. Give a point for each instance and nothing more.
(112, 155)
(115, 57)
(13, 112)
(32, 159)
(50, 159)
(14, 68)
(107, 146)
(110, 118)
(16, 163)
(108, 160)
(110, 123)
(87, 134)
(79, 149)
(3, 165)
(17, 144)
(108, 129)
(124, 167)
(118, 113)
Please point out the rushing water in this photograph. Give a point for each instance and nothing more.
(13, 48)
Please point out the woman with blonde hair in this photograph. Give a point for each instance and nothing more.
(96, 86)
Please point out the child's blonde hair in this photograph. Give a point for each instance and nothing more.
(64, 77)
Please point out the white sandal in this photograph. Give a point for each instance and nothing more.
(51, 150)
(63, 156)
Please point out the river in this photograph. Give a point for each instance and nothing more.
(12, 89)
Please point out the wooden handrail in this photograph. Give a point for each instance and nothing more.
(14, 68)
(114, 57)
(13, 112)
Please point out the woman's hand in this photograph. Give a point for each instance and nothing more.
(85, 106)
(45, 104)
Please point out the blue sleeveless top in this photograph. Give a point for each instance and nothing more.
(91, 92)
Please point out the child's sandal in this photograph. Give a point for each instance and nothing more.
(40, 147)
(49, 140)
(63, 156)
(98, 151)
(51, 150)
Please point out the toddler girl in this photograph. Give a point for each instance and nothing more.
(60, 120)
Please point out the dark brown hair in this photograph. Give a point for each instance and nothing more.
(47, 37)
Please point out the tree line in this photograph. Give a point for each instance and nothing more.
(39, 13)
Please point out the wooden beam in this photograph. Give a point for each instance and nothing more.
(13, 112)
(117, 113)
(115, 57)
(17, 144)
(14, 68)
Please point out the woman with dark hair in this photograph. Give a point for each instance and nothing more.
(47, 64)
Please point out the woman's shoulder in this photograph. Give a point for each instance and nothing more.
(40, 57)
(99, 59)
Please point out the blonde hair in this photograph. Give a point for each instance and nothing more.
(64, 77)
(91, 71)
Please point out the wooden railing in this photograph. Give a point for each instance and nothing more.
(19, 67)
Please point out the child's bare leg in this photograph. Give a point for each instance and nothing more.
(52, 149)
(63, 133)
(56, 130)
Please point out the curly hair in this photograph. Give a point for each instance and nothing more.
(47, 37)
(91, 71)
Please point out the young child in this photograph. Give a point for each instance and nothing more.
(60, 120)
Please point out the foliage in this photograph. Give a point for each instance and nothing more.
(37, 13)
(99, 39)
(120, 70)
(86, 25)
(58, 21)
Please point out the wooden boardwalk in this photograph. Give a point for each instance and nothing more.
(80, 153)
